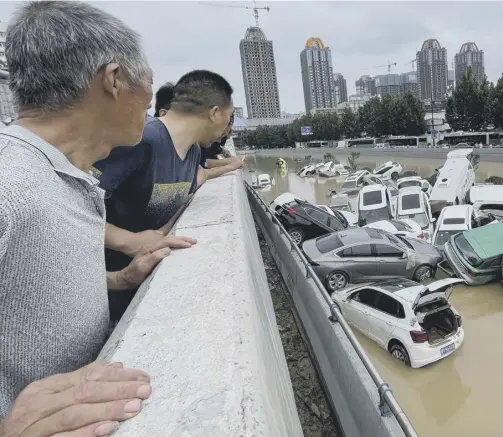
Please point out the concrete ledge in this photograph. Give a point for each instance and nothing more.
(203, 326)
(351, 389)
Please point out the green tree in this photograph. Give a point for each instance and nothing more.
(349, 124)
(496, 104)
(466, 108)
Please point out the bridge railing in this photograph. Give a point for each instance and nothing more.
(387, 404)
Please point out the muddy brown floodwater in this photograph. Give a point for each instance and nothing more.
(459, 396)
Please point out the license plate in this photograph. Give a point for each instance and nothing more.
(447, 349)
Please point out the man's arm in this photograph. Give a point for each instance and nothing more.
(210, 173)
(213, 163)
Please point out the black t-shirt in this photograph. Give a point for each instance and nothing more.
(212, 152)
(146, 184)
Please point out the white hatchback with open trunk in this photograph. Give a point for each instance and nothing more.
(414, 322)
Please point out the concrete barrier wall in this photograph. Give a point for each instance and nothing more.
(203, 326)
(351, 389)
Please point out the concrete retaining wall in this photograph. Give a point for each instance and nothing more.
(203, 326)
(352, 391)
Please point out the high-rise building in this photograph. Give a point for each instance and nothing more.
(470, 57)
(432, 72)
(341, 89)
(387, 84)
(450, 80)
(317, 75)
(259, 75)
(408, 83)
(238, 111)
(365, 85)
(3, 31)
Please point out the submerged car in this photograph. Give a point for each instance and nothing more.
(414, 322)
(413, 204)
(414, 181)
(475, 255)
(388, 170)
(374, 204)
(365, 254)
(456, 219)
(303, 220)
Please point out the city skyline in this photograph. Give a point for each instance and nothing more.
(365, 36)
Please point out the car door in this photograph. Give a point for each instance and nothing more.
(391, 261)
(357, 306)
(359, 262)
(383, 318)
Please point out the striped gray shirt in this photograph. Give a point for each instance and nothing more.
(53, 290)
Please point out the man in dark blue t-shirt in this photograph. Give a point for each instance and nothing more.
(147, 184)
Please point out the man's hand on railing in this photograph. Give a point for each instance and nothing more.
(89, 402)
(159, 238)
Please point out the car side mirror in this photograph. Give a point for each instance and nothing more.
(433, 219)
(362, 222)
(404, 255)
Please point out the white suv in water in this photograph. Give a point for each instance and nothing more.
(414, 322)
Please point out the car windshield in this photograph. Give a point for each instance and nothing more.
(466, 251)
(349, 184)
(372, 198)
(443, 237)
(406, 184)
(327, 243)
(375, 215)
(420, 219)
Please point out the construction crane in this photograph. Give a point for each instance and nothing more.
(254, 7)
(413, 62)
(389, 65)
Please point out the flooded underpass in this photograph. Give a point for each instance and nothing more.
(461, 395)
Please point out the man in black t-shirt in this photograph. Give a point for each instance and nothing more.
(147, 184)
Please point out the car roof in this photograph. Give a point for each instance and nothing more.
(456, 211)
(410, 178)
(486, 241)
(373, 187)
(360, 235)
(408, 190)
(402, 288)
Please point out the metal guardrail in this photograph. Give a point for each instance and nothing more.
(388, 404)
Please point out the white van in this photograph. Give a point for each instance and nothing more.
(486, 193)
(454, 181)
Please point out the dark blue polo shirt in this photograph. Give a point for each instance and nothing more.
(146, 184)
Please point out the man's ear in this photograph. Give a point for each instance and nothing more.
(162, 112)
(213, 112)
(112, 83)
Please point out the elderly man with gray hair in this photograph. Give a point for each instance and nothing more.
(82, 85)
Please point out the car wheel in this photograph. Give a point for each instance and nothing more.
(336, 281)
(422, 273)
(394, 176)
(399, 352)
(297, 235)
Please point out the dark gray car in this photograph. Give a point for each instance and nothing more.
(362, 255)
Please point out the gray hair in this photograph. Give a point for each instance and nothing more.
(54, 50)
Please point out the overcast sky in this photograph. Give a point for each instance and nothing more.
(183, 35)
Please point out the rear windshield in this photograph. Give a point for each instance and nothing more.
(328, 242)
(411, 201)
(466, 251)
(372, 198)
(401, 226)
(410, 184)
(454, 221)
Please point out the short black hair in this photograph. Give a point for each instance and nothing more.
(164, 97)
(200, 90)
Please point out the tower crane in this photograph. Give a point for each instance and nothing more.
(254, 8)
(413, 63)
(389, 65)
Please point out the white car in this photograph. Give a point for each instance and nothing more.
(403, 228)
(456, 219)
(414, 181)
(413, 204)
(283, 199)
(388, 170)
(374, 203)
(263, 181)
(414, 322)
